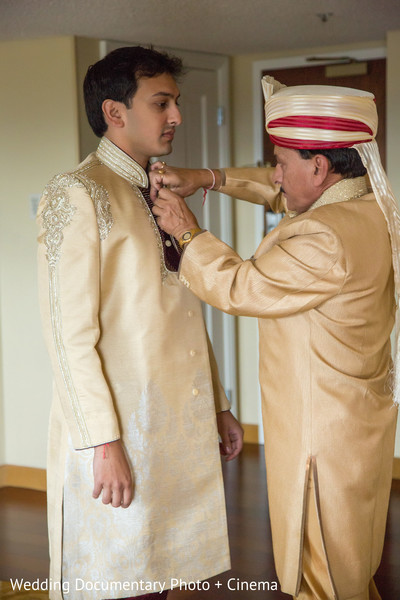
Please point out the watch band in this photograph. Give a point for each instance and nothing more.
(188, 236)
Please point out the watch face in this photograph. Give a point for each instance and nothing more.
(186, 235)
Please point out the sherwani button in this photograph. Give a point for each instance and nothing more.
(195, 392)
(192, 353)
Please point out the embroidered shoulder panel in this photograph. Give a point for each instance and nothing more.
(58, 210)
(102, 207)
(57, 214)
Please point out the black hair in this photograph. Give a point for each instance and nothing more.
(116, 77)
(345, 161)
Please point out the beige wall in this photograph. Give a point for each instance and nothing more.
(87, 52)
(39, 138)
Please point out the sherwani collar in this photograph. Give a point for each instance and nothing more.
(343, 190)
(122, 164)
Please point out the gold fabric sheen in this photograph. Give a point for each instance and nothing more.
(316, 583)
(132, 360)
(321, 286)
(341, 103)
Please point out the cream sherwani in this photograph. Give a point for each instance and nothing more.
(321, 285)
(131, 360)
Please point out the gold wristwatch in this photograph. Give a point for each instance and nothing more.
(188, 236)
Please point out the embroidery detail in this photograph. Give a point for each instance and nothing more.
(57, 214)
(102, 206)
(58, 211)
(184, 281)
(122, 164)
(343, 190)
(56, 323)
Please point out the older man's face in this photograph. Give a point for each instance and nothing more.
(295, 176)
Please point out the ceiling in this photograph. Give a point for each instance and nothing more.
(219, 26)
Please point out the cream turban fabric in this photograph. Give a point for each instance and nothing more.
(318, 116)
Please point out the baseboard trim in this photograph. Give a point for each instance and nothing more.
(250, 433)
(23, 477)
(35, 479)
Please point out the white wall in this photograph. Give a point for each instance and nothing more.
(38, 124)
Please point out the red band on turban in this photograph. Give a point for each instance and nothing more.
(332, 123)
(310, 144)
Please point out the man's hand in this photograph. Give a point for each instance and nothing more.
(231, 434)
(112, 475)
(184, 182)
(173, 214)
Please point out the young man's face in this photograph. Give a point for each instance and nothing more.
(150, 122)
(294, 175)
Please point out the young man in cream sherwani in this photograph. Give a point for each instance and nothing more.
(321, 284)
(135, 492)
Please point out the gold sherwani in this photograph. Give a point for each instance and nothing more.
(131, 360)
(321, 285)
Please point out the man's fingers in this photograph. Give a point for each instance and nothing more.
(235, 451)
(156, 165)
(106, 495)
(236, 445)
(226, 442)
(156, 184)
(165, 203)
(116, 498)
(167, 194)
(156, 178)
(97, 490)
(127, 497)
(157, 210)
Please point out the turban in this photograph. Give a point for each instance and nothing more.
(316, 117)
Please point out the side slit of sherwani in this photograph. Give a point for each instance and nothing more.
(311, 476)
(318, 507)
(303, 521)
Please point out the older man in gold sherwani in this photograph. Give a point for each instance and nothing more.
(136, 384)
(322, 287)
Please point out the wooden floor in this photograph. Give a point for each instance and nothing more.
(23, 538)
